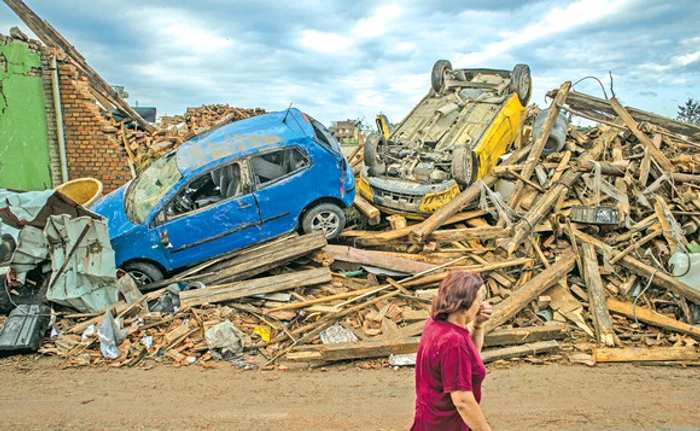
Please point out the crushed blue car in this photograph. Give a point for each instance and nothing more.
(238, 185)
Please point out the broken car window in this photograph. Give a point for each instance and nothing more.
(150, 187)
(324, 135)
(208, 189)
(275, 165)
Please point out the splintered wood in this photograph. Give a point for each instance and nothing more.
(581, 267)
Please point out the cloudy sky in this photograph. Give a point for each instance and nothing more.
(352, 59)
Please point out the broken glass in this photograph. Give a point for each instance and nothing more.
(150, 187)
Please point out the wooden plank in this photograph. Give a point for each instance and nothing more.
(321, 300)
(376, 258)
(492, 355)
(529, 334)
(366, 208)
(541, 140)
(469, 234)
(651, 317)
(583, 101)
(359, 350)
(656, 153)
(616, 169)
(510, 306)
(256, 286)
(596, 297)
(469, 195)
(638, 354)
(474, 268)
(374, 239)
(264, 258)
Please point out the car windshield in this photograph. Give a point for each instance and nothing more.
(324, 135)
(150, 187)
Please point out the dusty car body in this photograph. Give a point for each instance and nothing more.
(451, 138)
(238, 185)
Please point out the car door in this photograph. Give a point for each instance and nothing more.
(283, 186)
(213, 214)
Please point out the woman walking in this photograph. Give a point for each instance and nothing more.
(449, 369)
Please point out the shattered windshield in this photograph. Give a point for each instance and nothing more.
(150, 187)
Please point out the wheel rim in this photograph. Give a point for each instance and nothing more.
(326, 222)
(524, 85)
(141, 278)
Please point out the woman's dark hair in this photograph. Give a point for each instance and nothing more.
(457, 292)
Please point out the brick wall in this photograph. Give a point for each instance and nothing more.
(92, 147)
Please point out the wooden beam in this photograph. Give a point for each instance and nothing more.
(529, 334)
(638, 354)
(656, 153)
(469, 195)
(435, 278)
(540, 141)
(596, 297)
(468, 234)
(51, 37)
(660, 279)
(616, 169)
(371, 212)
(528, 292)
(258, 286)
(492, 355)
(359, 350)
(581, 101)
(376, 258)
(653, 318)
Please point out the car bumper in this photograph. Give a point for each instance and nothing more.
(405, 197)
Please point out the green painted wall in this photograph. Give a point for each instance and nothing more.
(24, 146)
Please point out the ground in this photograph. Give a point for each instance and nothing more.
(36, 395)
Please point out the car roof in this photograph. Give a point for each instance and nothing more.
(240, 139)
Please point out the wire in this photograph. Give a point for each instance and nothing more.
(602, 87)
(634, 304)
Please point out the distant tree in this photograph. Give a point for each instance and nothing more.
(690, 113)
(363, 126)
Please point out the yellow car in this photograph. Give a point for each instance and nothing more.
(451, 138)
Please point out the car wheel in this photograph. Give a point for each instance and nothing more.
(437, 77)
(464, 165)
(521, 83)
(327, 218)
(143, 273)
(370, 149)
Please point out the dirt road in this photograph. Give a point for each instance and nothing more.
(34, 395)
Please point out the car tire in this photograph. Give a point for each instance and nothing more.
(370, 149)
(437, 77)
(464, 165)
(521, 83)
(326, 217)
(143, 273)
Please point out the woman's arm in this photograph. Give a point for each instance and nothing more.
(469, 410)
(477, 334)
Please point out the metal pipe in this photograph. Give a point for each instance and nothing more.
(59, 119)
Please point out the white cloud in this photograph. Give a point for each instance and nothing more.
(377, 24)
(556, 21)
(325, 42)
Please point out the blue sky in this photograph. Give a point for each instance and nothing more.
(340, 59)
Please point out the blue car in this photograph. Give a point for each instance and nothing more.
(235, 186)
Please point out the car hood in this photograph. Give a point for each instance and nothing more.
(112, 207)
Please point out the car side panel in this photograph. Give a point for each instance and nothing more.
(499, 135)
(281, 203)
(139, 243)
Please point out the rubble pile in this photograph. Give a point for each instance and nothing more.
(589, 255)
(143, 146)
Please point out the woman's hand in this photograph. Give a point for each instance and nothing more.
(484, 314)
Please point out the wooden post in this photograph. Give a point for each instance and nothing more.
(534, 157)
(469, 195)
(656, 153)
(596, 297)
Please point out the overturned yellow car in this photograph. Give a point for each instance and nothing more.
(451, 138)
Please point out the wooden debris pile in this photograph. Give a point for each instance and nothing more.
(575, 262)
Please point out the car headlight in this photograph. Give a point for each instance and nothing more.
(433, 201)
(364, 189)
